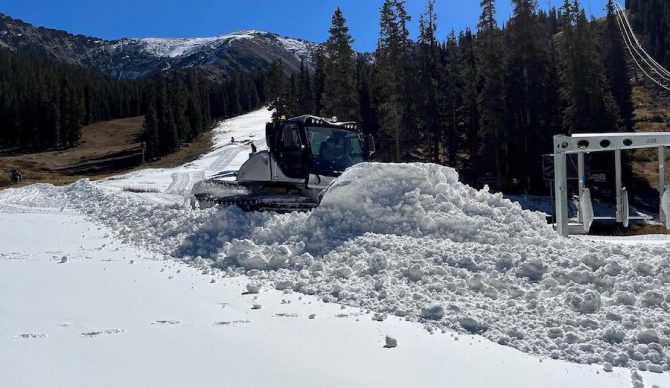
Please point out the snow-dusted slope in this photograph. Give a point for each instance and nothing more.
(408, 243)
(217, 57)
(180, 47)
(173, 48)
(239, 51)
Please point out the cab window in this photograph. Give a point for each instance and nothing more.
(290, 138)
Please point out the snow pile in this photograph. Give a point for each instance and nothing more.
(411, 241)
(159, 227)
(422, 200)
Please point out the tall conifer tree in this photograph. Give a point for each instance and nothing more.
(491, 94)
(339, 95)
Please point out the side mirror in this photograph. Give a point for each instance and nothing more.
(370, 143)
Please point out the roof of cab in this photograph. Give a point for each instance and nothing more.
(323, 122)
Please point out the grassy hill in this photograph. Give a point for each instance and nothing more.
(652, 114)
(106, 148)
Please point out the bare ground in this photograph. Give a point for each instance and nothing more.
(107, 148)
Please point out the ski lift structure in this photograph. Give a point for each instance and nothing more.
(581, 144)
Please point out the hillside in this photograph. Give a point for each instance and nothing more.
(246, 51)
(106, 148)
(652, 114)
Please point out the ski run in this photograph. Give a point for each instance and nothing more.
(403, 277)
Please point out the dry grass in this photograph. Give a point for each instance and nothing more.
(632, 230)
(188, 153)
(107, 148)
(652, 114)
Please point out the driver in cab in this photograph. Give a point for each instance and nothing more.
(329, 150)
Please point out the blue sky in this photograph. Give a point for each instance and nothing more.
(307, 19)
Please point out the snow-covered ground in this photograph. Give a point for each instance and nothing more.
(225, 158)
(104, 287)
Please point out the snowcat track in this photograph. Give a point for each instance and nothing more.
(250, 203)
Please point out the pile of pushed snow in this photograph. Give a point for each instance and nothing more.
(422, 200)
(410, 240)
(159, 227)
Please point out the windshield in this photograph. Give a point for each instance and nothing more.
(333, 150)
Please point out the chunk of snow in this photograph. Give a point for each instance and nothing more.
(253, 288)
(433, 312)
(390, 342)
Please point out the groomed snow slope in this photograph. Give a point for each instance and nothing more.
(113, 316)
(226, 157)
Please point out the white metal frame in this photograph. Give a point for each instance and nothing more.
(581, 144)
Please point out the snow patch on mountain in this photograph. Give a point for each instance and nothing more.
(299, 48)
(179, 47)
(173, 48)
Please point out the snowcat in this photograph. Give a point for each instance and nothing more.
(305, 154)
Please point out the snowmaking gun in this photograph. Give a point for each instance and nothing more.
(305, 154)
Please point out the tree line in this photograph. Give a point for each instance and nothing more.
(486, 102)
(651, 19)
(182, 106)
(44, 105)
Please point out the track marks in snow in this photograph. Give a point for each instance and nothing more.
(183, 181)
(31, 336)
(13, 256)
(232, 323)
(166, 322)
(286, 315)
(157, 198)
(92, 334)
(13, 209)
(228, 154)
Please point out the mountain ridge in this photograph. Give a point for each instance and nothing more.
(131, 58)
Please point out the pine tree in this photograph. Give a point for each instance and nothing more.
(391, 77)
(651, 18)
(587, 102)
(305, 104)
(491, 94)
(339, 95)
(194, 109)
(614, 56)
(277, 89)
(428, 74)
(319, 78)
(367, 110)
(150, 134)
(527, 96)
(450, 98)
(292, 100)
(466, 78)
